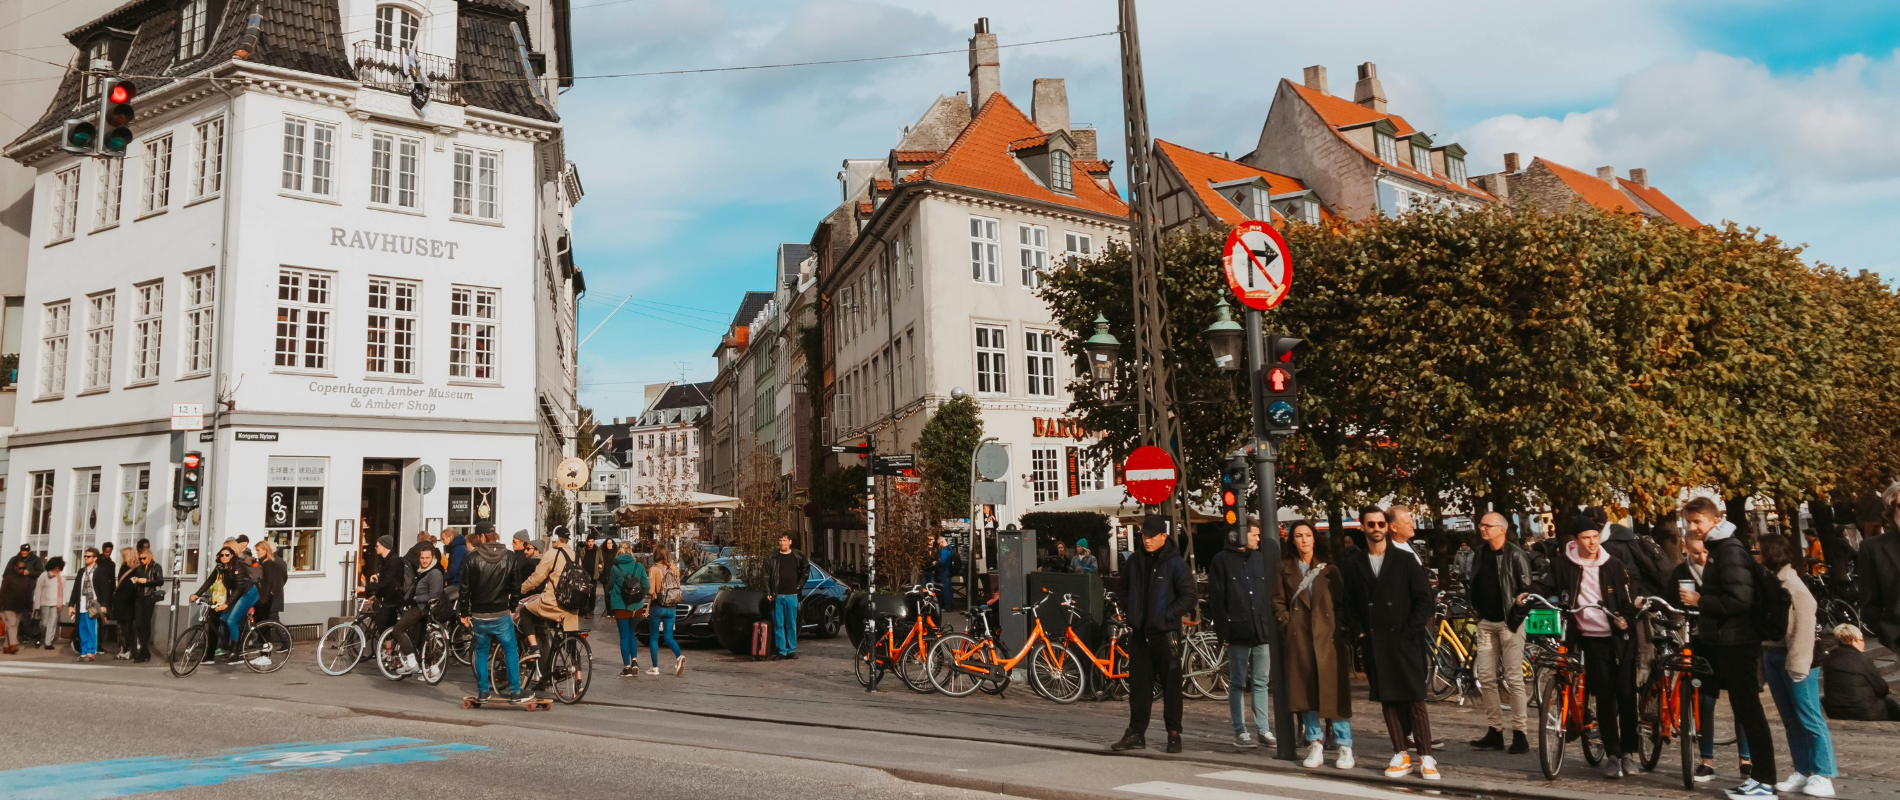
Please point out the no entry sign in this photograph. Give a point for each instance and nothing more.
(1258, 266)
(1150, 474)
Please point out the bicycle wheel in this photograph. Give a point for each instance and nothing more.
(942, 665)
(498, 669)
(340, 648)
(188, 651)
(1056, 672)
(461, 642)
(1550, 729)
(388, 657)
(1650, 724)
(433, 656)
(572, 668)
(1442, 681)
(266, 647)
(913, 667)
(1688, 736)
(1206, 673)
(1592, 738)
(862, 663)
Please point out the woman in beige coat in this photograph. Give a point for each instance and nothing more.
(547, 577)
(1318, 656)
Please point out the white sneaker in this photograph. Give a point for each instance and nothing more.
(1243, 741)
(653, 671)
(679, 665)
(409, 663)
(1818, 786)
(1345, 759)
(1400, 767)
(1793, 783)
(260, 661)
(1428, 768)
(1315, 755)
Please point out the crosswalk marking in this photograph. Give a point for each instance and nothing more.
(1187, 791)
(65, 665)
(12, 670)
(1306, 784)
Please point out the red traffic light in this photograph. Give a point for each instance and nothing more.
(1278, 380)
(1228, 498)
(192, 460)
(122, 92)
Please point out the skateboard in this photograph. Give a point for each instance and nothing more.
(540, 704)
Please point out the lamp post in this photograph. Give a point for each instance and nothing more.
(1224, 337)
(1103, 350)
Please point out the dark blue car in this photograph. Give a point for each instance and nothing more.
(820, 606)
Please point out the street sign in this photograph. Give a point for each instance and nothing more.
(1150, 474)
(425, 479)
(255, 436)
(571, 474)
(909, 484)
(1258, 265)
(990, 493)
(992, 461)
(893, 465)
(850, 448)
(596, 496)
(188, 416)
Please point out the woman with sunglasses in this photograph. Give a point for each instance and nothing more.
(231, 592)
(147, 579)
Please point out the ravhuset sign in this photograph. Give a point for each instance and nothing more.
(393, 243)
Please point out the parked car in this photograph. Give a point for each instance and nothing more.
(820, 606)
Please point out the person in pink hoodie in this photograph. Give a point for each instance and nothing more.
(1588, 575)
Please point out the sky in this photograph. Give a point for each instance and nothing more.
(1779, 115)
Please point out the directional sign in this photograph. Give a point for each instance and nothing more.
(992, 461)
(893, 465)
(1150, 474)
(425, 479)
(571, 474)
(1259, 269)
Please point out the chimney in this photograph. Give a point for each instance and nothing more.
(1316, 78)
(1049, 105)
(1510, 162)
(1607, 175)
(1640, 177)
(1368, 92)
(986, 68)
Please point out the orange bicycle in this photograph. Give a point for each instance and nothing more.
(880, 652)
(1067, 662)
(1668, 706)
(961, 663)
(1562, 711)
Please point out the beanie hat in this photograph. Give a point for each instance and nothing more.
(1579, 523)
(523, 536)
(387, 541)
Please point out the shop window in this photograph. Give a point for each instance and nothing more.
(293, 510)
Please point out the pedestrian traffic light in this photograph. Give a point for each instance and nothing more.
(190, 481)
(1233, 494)
(1280, 383)
(80, 136)
(115, 117)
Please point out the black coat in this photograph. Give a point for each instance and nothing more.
(1238, 596)
(1879, 578)
(154, 581)
(1157, 590)
(1394, 610)
(270, 591)
(1851, 687)
(236, 579)
(1728, 595)
(16, 592)
(1563, 585)
(389, 580)
(101, 586)
(1514, 576)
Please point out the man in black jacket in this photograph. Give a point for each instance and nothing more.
(785, 574)
(1238, 596)
(1879, 577)
(1391, 597)
(1588, 575)
(488, 589)
(386, 586)
(1500, 571)
(1157, 592)
(1725, 635)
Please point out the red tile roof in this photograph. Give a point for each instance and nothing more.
(917, 156)
(1025, 144)
(883, 184)
(1339, 112)
(1661, 202)
(980, 159)
(1591, 189)
(1091, 166)
(865, 207)
(1201, 170)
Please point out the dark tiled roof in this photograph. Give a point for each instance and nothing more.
(684, 395)
(488, 53)
(750, 307)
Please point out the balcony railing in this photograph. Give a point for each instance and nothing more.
(399, 71)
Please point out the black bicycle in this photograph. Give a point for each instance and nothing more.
(570, 666)
(262, 646)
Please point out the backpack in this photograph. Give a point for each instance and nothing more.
(1650, 573)
(670, 587)
(1772, 606)
(575, 590)
(632, 589)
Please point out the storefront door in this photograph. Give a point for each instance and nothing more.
(382, 510)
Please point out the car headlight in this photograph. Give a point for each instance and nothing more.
(703, 608)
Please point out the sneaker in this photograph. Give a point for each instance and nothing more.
(1612, 768)
(1315, 754)
(1130, 741)
(653, 671)
(1493, 739)
(1519, 745)
(1818, 786)
(1400, 767)
(1345, 759)
(409, 664)
(1704, 773)
(1243, 741)
(1267, 739)
(679, 665)
(1428, 768)
(626, 672)
(1793, 783)
(483, 697)
(122, 656)
(1750, 789)
(1174, 742)
(522, 699)
(260, 661)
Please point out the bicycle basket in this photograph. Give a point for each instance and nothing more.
(1544, 622)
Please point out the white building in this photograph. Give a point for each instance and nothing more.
(352, 288)
(662, 452)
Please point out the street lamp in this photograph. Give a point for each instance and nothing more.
(1224, 337)
(1102, 349)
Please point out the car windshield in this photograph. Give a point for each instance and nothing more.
(711, 573)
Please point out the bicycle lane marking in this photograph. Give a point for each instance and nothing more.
(98, 780)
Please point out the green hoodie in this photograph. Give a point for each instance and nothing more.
(623, 566)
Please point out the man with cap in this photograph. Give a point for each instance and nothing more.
(1879, 575)
(1157, 592)
(26, 556)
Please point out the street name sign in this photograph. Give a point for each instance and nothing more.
(893, 464)
(1150, 474)
(1258, 265)
(188, 416)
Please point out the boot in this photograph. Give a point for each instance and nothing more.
(1174, 741)
(1493, 739)
(1519, 745)
(1131, 740)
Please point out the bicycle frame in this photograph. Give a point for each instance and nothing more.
(1036, 634)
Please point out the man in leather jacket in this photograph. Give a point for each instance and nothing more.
(1500, 571)
(488, 588)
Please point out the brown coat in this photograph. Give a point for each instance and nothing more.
(1318, 655)
(543, 605)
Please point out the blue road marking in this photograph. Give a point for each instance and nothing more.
(120, 777)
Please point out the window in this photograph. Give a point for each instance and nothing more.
(303, 320)
(39, 513)
(392, 327)
(98, 61)
(1309, 211)
(1061, 178)
(1039, 357)
(207, 159)
(100, 311)
(1045, 473)
(111, 186)
(65, 205)
(472, 492)
(910, 259)
(201, 294)
(395, 28)
(394, 162)
(1078, 245)
(309, 156)
(844, 314)
(1455, 169)
(477, 183)
(1033, 251)
(896, 359)
(194, 27)
(862, 317)
(148, 327)
(992, 376)
(1421, 158)
(872, 307)
(473, 333)
(985, 251)
(1388, 150)
(53, 331)
(293, 509)
(85, 516)
(135, 500)
(158, 175)
(916, 378)
(878, 395)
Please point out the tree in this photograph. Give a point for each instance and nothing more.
(944, 448)
(906, 525)
(557, 511)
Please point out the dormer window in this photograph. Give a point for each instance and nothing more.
(98, 61)
(396, 28)
(1421, 158)
(1388, 148)
(1061, 176)
(1456, 169)
(194, 28)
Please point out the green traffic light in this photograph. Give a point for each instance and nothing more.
(81, 135)
(1280, 413)
(118, 140)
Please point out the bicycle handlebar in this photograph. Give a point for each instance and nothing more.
(1657, 601)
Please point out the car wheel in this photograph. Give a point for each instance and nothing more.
(830, 621)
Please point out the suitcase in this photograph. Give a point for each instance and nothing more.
(761, 640)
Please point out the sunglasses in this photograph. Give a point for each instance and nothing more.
(1374, 524)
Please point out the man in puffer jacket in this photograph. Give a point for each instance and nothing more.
(1726, 637)
(1878, 573)
(1158, 592)
(1237, 595)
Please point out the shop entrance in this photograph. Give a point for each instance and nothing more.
(381, 512)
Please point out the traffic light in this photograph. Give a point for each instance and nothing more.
(190, 481)
(80, 136)
(1280, 384)
(115, 117)
(1233, 496)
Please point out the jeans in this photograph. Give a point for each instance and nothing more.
(1500, 653)
(1309, 720)
(500, 629)
(785, 624)
(1154, 658)
(234, 616)
(629, 642)
(1810, 747)
(1705, 723)
(1247, 668)
(660, 623)
(142, 628)
(1735, 668)
(86, 630)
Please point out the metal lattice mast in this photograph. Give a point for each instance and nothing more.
(1154, 373)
